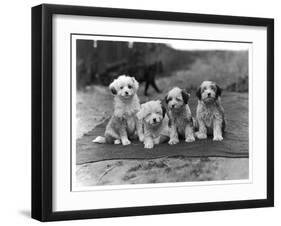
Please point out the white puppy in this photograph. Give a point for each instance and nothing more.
(154, 123)
(210, 113)
(123, 123)
(180, 119)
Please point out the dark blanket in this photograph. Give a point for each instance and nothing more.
(234, 145)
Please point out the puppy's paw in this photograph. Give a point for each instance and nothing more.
(117, 142)
(201, 135)
(126, 142)
(141, 138)
(190, 139)
(218, 138)
(148, 145)
(173, 141)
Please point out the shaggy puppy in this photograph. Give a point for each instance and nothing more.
(154, 123)
(210, 113)
(123, 123)
(179, 114)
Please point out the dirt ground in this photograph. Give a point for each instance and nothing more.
(170, 169)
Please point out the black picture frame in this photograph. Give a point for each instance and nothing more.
(42, 107)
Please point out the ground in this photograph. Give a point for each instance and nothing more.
(172, 169)
(169, 169)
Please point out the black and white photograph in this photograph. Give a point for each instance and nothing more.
(140, 112)
(148, 111)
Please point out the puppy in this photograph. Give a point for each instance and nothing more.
(154, 123)
(123, 123)
(180, 119)
(210, 113)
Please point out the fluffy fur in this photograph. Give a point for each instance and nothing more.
(123, 123)
(210, 113)
(180, 119)
(154, 123)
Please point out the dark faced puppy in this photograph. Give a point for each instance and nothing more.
(176, 99)
(208, 92)
(210, 113)
(179, 115)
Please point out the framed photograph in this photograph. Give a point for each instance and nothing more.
(146, 112)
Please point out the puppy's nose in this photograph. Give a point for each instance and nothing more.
(126, 93)
(173, 105)
(209, 94)
(154, 120)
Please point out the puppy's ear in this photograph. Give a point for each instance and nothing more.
(218, 92)
(185, 96)
(165, 100)
(112, 88)
(136, 84)
(198, 93)
(163, 106)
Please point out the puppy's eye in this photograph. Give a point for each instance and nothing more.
(121, 87)
(178, 99)
(130, 87)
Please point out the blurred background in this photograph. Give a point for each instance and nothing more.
(99, 62)
(157, 66)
